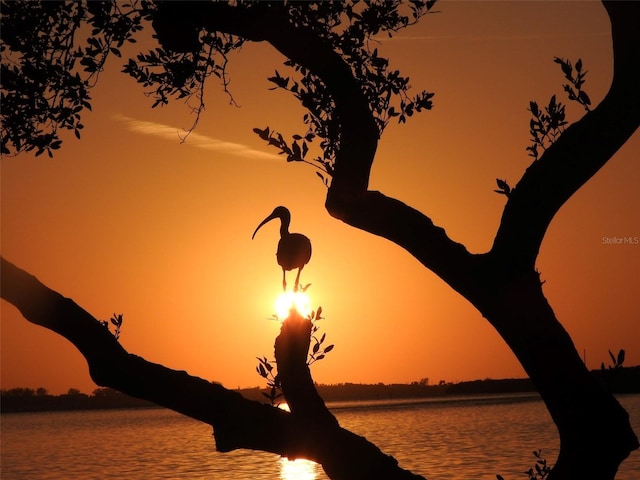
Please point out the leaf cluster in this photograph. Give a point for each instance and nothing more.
(349, 28)
(614, 367)
(295, 150)
(503, 187)
(574, 87)
(115, 320)
(52, 54)
(549, 122)
(166, 73)
(317, 353)
(539, 471)
(546, 125)
(267, 371)
(617, 361)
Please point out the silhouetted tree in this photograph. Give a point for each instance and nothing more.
(350, 95)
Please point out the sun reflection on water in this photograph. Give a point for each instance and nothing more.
(299, 469)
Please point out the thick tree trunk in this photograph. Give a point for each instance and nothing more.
(595, 433)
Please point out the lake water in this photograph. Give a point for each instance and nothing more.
(440, 439)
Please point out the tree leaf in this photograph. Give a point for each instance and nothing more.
(263, 134)
(620, 357)
(584, 98)
(504, 186)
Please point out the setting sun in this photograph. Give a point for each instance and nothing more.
(292, 300)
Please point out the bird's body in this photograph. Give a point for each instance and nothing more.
(294, 249)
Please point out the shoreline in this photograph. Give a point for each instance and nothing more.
(626, 380)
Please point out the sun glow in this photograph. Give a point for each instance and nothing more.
(299, 469)
(287, 301)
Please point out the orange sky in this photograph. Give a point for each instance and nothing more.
(129, 220)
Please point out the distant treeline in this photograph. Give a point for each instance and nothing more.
(30, 400)
(620, 380)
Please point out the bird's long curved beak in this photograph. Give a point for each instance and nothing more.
(268, 219)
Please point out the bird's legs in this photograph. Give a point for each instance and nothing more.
(284, 280)
(295, 288)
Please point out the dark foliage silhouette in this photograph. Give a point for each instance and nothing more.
(350, 94)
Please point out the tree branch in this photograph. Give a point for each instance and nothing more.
(237, 422)
(545, 186)
(392, 219)
(578, 153)
(348, 198)
(291, 352)
(362, 459)
(268, 21)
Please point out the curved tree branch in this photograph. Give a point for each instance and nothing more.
(578, 153)
(268, 21)
(348, 198)
(236, 421)
(569, 163)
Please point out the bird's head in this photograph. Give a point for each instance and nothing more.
(279, 212)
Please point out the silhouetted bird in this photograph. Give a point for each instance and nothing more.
(294, 249)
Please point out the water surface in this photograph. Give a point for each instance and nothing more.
(451, 439)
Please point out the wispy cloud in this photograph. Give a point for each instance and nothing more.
(194, 139)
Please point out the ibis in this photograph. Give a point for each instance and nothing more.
(294, 249)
